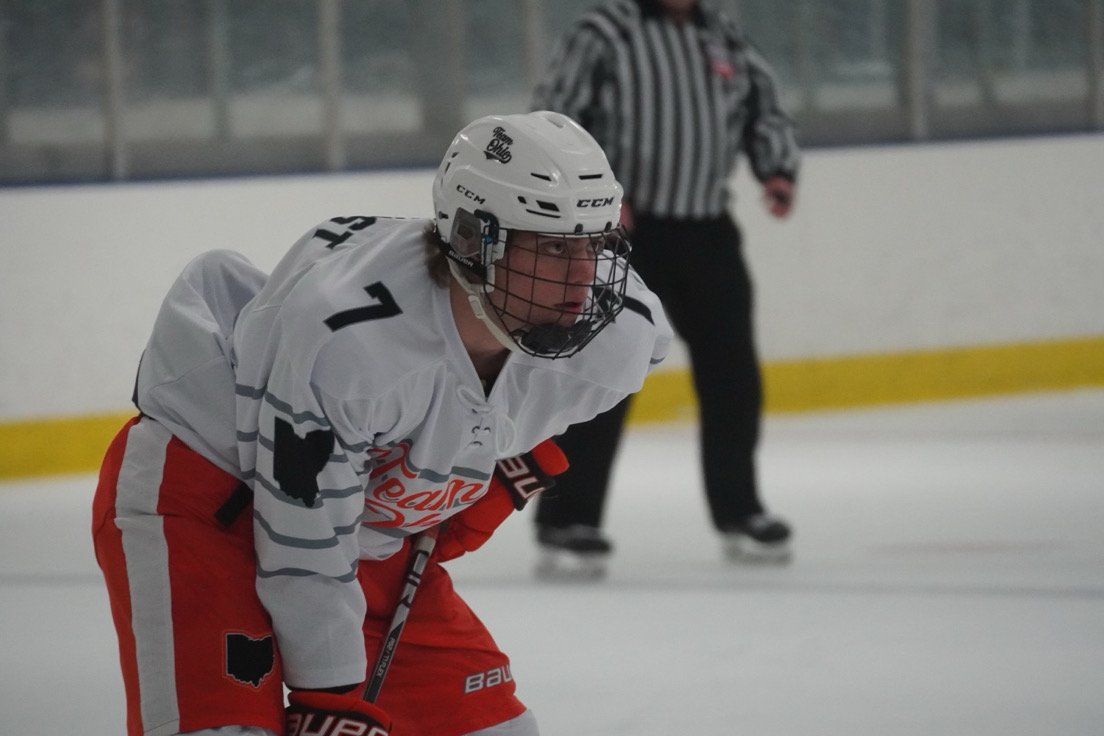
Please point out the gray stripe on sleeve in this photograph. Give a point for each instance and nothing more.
(301, 573)
(298, 542)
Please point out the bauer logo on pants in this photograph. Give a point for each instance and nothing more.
(490, 678)
(249, 660)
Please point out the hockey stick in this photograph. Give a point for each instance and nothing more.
(421, 549)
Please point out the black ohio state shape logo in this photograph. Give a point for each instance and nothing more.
(249, 660)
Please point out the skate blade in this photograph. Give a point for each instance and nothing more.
(747, 551)
(566, 566)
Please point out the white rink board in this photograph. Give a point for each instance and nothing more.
(889, 249)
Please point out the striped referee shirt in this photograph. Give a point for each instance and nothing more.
(671, 104)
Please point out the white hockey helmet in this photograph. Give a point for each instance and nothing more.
(539, 172)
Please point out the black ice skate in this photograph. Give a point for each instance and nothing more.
(572, 553)
(758, 538)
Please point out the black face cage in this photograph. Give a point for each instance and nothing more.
(565, 316)
(547, 329)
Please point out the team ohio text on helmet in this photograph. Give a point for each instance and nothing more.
(539, 173)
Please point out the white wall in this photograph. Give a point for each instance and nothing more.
(889, 249)
(931, 246)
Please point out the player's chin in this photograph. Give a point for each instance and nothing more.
(567, 313)
(554, 318)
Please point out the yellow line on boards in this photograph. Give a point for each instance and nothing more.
(895, 378)
(55, 445)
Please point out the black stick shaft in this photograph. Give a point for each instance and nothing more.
(422, 549)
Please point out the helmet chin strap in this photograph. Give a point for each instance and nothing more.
(475, 299)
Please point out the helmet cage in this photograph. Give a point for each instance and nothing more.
(479, 246)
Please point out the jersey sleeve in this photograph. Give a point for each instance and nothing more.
(769, 138)
(185, 378)
(573, 83)
(308, 501)
(640, 299)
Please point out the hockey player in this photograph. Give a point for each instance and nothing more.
(297, 430)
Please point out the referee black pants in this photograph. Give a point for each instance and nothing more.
(697, 269)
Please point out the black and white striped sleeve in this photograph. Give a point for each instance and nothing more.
(770, 135)
(574, 78)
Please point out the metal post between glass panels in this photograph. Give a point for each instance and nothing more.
(329, 48)
(919, 42)
(5, 66)
(806, 48)
(443, 87)
(1096, 62)
(218, 51)
(113, 97)
(532, 19)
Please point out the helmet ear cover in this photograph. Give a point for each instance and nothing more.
(474, 243)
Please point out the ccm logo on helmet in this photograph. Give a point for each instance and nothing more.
(594, 202)
(470, 194)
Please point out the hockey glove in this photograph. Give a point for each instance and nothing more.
(515, 481)
(317, 713)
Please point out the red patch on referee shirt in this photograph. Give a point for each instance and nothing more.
(720, 61)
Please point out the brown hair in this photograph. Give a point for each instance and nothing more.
(435, 259)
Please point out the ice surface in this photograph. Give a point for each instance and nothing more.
(948, 578)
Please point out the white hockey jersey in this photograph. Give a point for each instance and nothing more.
(338, 388)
